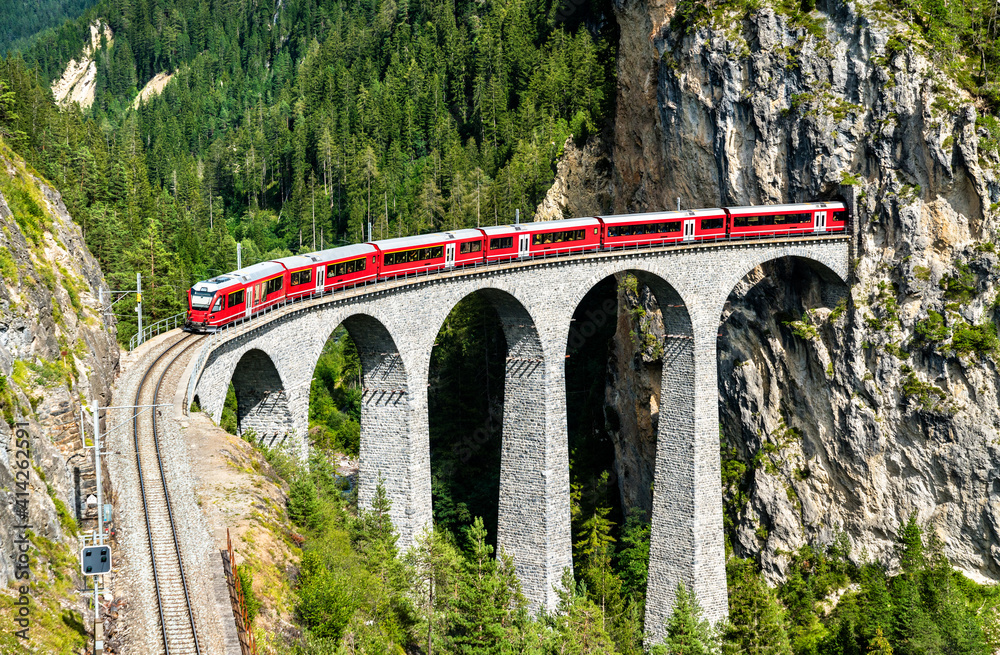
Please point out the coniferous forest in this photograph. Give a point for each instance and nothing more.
(294, 125)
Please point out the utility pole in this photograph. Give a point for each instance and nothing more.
(517, 216)
(678, 204)
(239, 255)
(138, 304)
(98, 623)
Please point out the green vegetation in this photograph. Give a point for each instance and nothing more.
(960, 287)
(932, 329)
(20, 22)
(929, 396)
(335, 397)
(803, 329)
(980, 339)
(228, 420)
(886, 314)
(413, 117)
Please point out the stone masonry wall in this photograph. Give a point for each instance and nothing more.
(395, 326)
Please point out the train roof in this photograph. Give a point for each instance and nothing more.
(567, 223)
(778, 209)
(246, 274)
(426, 239)
(297, 261)
(344, 252)
(651, 217)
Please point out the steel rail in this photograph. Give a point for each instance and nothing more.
(142, 489)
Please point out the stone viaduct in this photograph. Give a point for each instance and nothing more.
(271, 361)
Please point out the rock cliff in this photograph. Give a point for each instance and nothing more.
(57, 348)
(842, 408)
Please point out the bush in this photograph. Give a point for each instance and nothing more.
(960, 287)
(304, 505)
(932, 328)
(244, 579)
(979, 339)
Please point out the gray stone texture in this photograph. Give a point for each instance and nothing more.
(395, 326)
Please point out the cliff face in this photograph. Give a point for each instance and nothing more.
(56, 349)
(848, 406)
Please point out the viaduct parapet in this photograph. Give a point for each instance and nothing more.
(394, 325)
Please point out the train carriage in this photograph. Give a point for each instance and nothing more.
(777, 220)
(505, 242)
(655, 228)
(302, 276)
(346, 266)
(428, 252)
(228, 297)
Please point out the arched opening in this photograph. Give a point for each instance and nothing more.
(592, 422)
(335, 400)
(630, 351)
(525, 520)
(465, 416)
(262, 411)
(776, 373)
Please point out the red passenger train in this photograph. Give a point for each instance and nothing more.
(243, 293)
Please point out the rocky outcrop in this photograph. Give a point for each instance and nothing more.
(582, 186)
(78, 83)
(57, 348)
(844, 408)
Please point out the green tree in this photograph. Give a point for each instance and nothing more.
(688, 632)
(435, 565)
(756, 619)
(490, 608)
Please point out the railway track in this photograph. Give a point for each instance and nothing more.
(177, 624)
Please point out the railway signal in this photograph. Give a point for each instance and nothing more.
(95, 560)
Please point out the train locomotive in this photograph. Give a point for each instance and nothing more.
(231, 297)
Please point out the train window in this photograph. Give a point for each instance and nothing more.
(301, 277)
(415, 255)
(501, 243)
(345, 268)
(471, 246)
(201, 299)
(236, 298)
(218, 304)
(273, 285)
(711, 223)
(558, 237)
(840, 215)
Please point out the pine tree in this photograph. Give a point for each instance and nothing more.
(756, 619)
(490, 608)
(688, 632)
(879, 645)
(435, 564)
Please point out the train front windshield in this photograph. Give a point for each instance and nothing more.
(200, 300)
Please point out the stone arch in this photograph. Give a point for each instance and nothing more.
(261, 399)
(769, 380)
(832, 268)
(385, 449)
(531, 526)
(682, 513)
